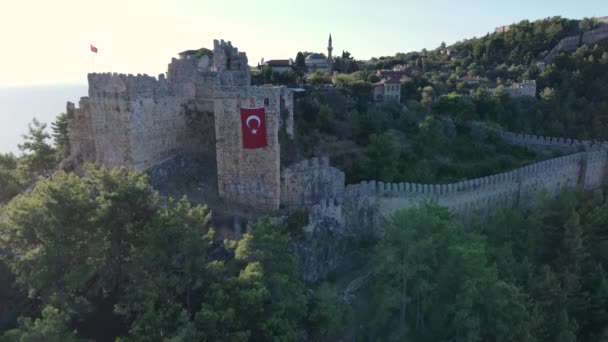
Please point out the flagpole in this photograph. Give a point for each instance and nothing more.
(94, 52)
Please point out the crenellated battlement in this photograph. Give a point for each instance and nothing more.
(377, 188)
(366, 202)
(543, 144)
(103, 85)
(139, 120)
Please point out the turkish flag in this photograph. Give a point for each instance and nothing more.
(93, 49)
(253, 124)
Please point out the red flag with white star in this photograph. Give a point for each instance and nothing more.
(253, 124)
(93, 49)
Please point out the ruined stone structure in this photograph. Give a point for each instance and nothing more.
(502, 29)
(82, 143)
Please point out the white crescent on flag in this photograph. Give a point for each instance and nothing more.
(253, 117)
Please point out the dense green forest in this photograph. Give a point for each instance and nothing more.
(105, 258)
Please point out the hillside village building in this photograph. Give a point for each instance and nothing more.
(387, 90)
(279, 65)
(398, 72)
(317, 61)
(389, 87)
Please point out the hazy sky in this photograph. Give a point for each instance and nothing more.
(47, 41)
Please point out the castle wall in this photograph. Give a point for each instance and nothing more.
(571, 43)
(310, 181)
(249, 177)
(363, 205)
(82, 144)
(549, 144)
(138, 121)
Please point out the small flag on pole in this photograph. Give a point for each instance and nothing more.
(93, 49)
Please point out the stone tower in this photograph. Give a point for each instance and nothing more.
(329, 50)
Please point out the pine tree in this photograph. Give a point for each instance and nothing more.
(60, 135)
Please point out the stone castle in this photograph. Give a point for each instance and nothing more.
(143, 122)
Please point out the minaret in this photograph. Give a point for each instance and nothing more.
(329, 49)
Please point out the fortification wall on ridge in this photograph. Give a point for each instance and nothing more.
(310, 181)
(571, 43)
(549, 144)
(80, 131)
(364, 204)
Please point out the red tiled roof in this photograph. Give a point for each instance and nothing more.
(469, 78)
(278, 62)
(409, 71)
(386, 81)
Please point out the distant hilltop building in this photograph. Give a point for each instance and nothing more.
(317, 61)
(471, 79)
(279, 65)
(400, 72)
(387, 89)
(502, 29)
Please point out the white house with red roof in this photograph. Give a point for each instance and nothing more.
(387, 89)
